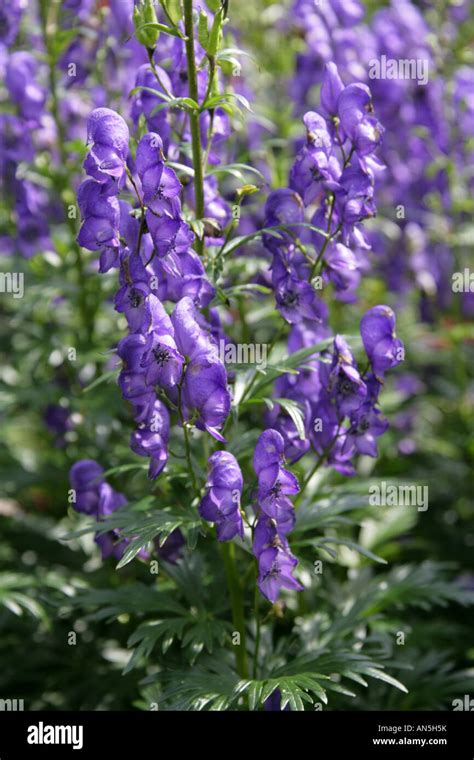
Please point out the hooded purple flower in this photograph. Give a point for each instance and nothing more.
(205, 398)
(276, 517)
(331, 88)
(151, 440)
(313, 162)
(355, 111)
(20, 78)
(341, 266)
(367, 423)
(10, 18)
(221, 503)
(85, 477)
(344, 383)
(160, 183)
(276, 572)
(100, 217)
(108, 135)
(381, 344)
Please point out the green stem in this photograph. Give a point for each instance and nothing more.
(156, 73)
(258, 631)
(194, 119)
(186, 442)
(237, 606)
(325, 244)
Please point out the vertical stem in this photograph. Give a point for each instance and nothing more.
(186, 440)
(194, 118)
(258, 631)
(237, 606)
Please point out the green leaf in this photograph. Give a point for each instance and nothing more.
(236, 169)
(294, 411)
(106, 377)
(160, 28)
(352, 545)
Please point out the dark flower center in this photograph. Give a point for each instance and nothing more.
(276, 489)
(161, 356)
(135, 299)
(344, 385)
(291, 298)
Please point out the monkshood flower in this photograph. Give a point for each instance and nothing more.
(160, 184)
(381, 344)
(93, 496)
(108, 136)
(100, 217)
(275, 516)
(10, 18)
(342, 266)
(275, 572)
(314, 162)
(161, 360)
(355, 111)
(204, 395)
(85, 477)
(295, 298)
(151, 439)
(366, 424)
(221, 502)
(343, 382)
(283, 207)
(144, 102)
(25, 92)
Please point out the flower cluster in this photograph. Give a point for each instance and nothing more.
(93, 496)
(221, 503)
(156, 264)
(275, 517)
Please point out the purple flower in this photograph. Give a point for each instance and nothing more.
(381, 344)
(20, 77)
(171, 550)
(108, 135)
(313, 163)
(355, 109)
(367, 423)
(283, 207)
(10, 18)
(137, 302)
(276, 516)
(100, 217)
(331, 88)
(295, 299)
(205, 398)
(221, 503)
(170, 236)
(276, 572)
(151, 440)
(160, 183)
(344, 383)
(341, 266)
(85, 477)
